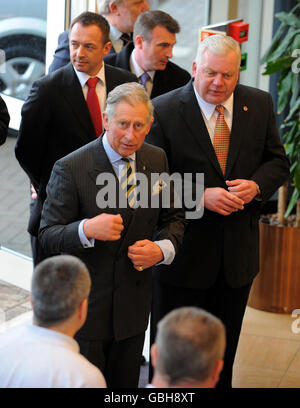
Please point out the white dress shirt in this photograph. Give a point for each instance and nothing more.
(210, 114)
(115, 159)
(36, 357)
(100, 87)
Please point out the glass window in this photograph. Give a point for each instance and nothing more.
(23, 44)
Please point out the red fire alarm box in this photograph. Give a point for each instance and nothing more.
(238, 31)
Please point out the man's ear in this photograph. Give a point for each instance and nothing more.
(194, 68)
(105, 121)
(82, 311)
(107, 48)
(113, 7)
(154, 354)
(139, 40)
(217, 371)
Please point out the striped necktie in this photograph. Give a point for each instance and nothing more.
(221, 138)
(127, 182)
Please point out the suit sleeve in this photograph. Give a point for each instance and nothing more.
(171, 222)
(61, 55)
(34, 130)
(60, 216)
(4, 121)
(274, 168)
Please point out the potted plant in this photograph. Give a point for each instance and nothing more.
(277, 286)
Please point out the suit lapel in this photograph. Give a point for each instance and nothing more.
(72, 92)
(239, 127)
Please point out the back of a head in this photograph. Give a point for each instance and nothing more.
(88, 18)
(190, 342)
(59, 284)
(148, 20)
(218, 44)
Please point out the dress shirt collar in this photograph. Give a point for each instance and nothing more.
(113, 156)
(208, 109)
(83, 77)
(136, 69)
(114, 33)
(54, 337)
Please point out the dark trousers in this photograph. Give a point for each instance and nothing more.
(227, 303)
(119, 361)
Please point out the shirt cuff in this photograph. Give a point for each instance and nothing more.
(86, 243)
(168, 251)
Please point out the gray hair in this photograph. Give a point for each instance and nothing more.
(220, 45)
(189, 341)
(130, 92)
(59, 284)
(103, 6)
(148, 20)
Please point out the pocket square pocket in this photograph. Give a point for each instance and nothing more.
(158, 186)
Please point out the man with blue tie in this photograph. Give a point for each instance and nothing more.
(116, 242)
(148, 57)
(63, 109)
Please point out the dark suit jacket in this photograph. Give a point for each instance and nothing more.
(120, 298)
(215, 242)
(164, 81)
(55, 122)
(61, 55)
(4, 121)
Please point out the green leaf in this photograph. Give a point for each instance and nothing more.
(288, 18)
(292, 203)
(294, 109)
(285, 43)
(295, 88)
(297, 178)
(274, 43)
(279, 65)
(284, 89)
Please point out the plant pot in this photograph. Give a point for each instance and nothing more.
(277, 286)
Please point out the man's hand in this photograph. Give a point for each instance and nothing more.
(219, 200)
(104, 227)
(246, 190)
(33, 192)
(145, 254)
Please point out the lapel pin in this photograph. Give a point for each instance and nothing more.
(144, 168)
(245, 108)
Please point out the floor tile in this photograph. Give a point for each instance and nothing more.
(245, 376)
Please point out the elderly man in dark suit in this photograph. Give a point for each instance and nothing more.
(114, 236)
(121, 16)
(149, 57)
(63, 110)
(228, 132)
(4, 121)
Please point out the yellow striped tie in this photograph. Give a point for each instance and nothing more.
(127, 182)
(221, 138)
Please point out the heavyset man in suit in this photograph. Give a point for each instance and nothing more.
(55, 117)
(149, 56)
(219, 256)
(121, 16)
(114, 241)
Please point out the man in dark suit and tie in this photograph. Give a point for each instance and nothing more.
(228, 132)
(86, 214)
(148, 57)
(121, 16)
(63, 109)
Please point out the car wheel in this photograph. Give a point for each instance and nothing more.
(25, 63)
